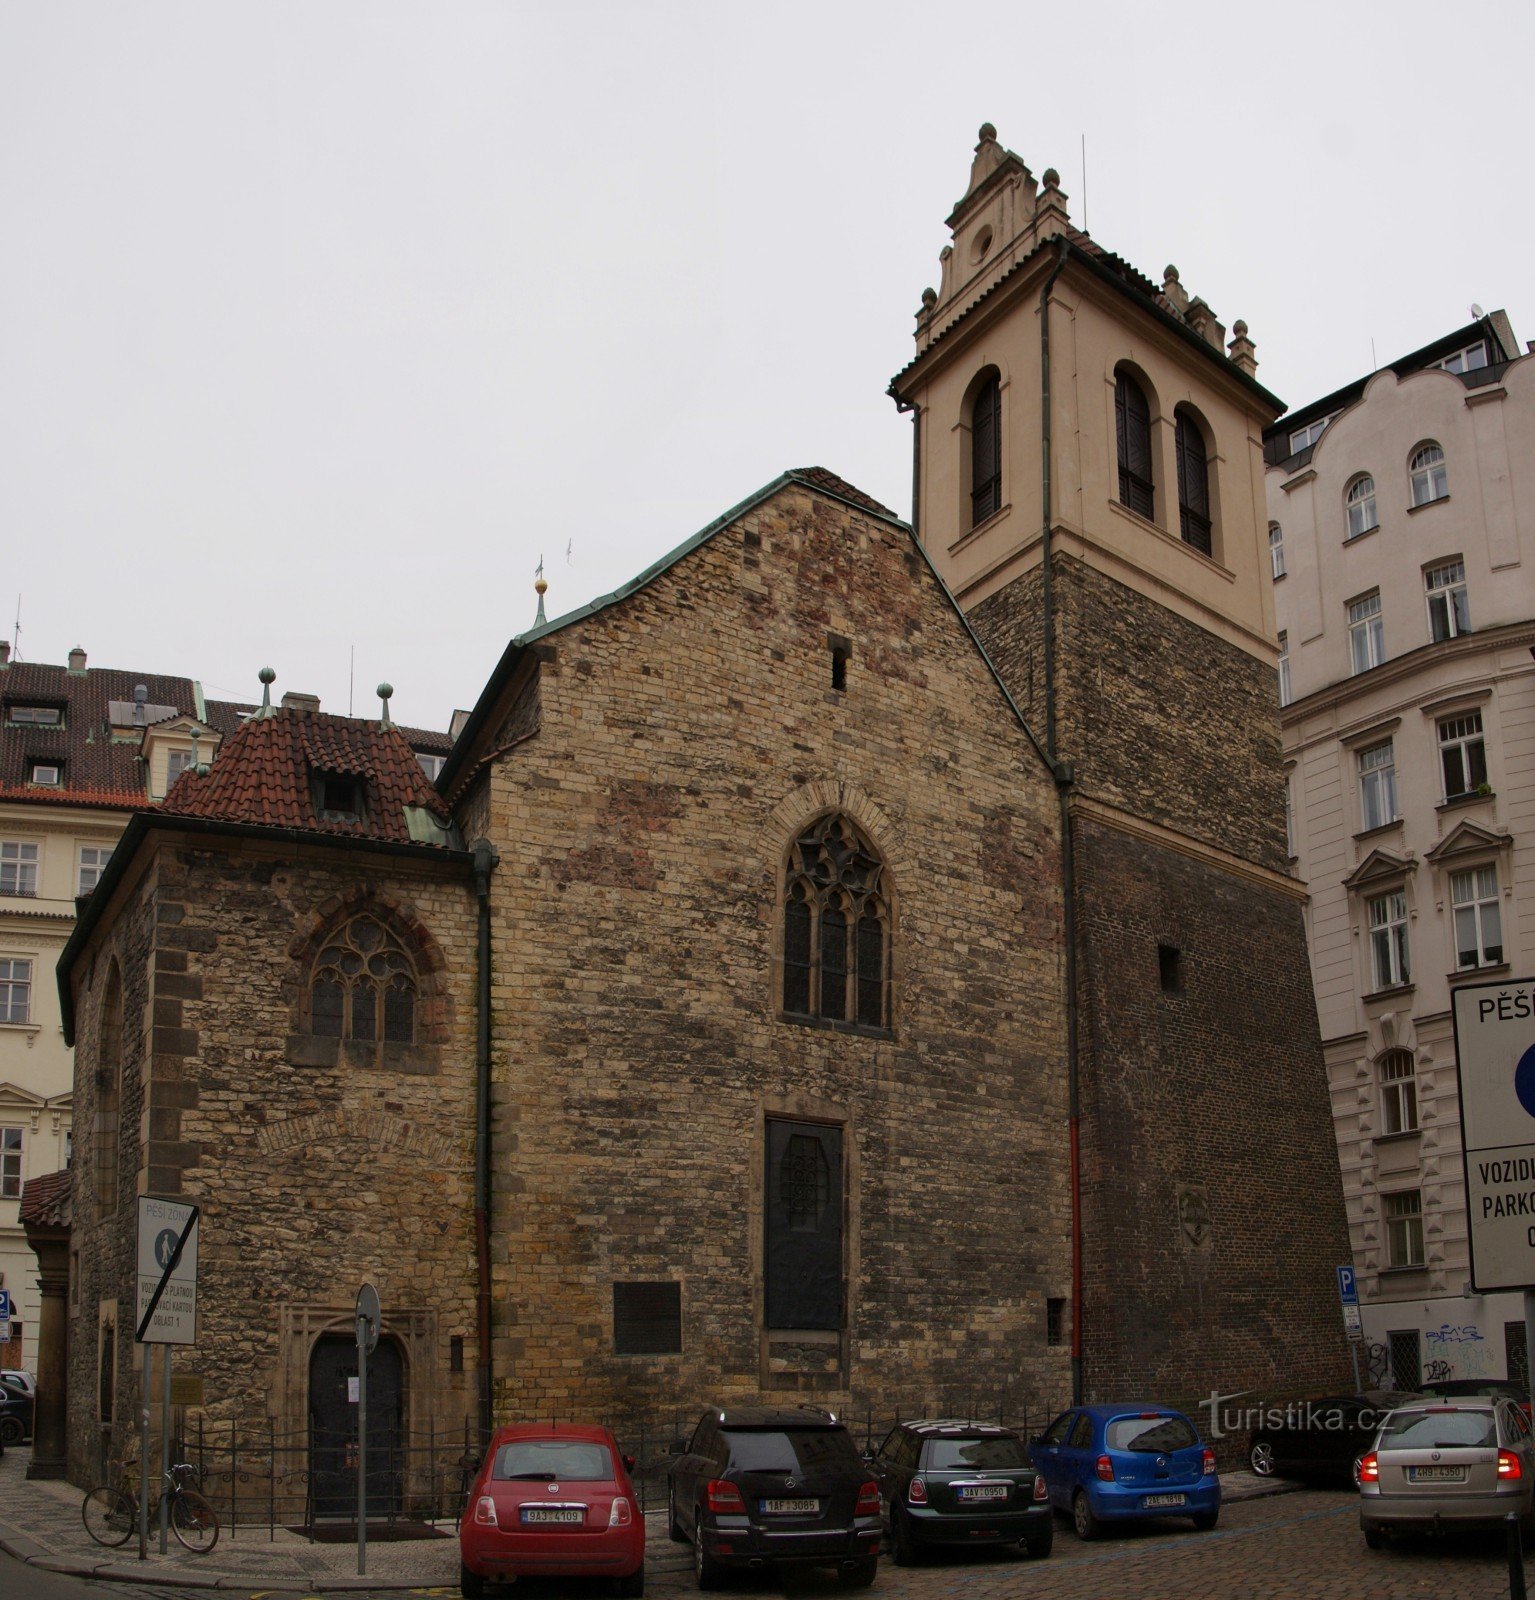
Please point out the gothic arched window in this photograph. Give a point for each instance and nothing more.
(363, 986)
(986, 450)
(836, 940)
(1193, 482)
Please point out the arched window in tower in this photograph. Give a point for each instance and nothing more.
(363, 986)
(836, 935)
(986, 451)
(1193, 483)
(1132, 432)
(109, 1090)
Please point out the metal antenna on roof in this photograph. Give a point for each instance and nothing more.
(1084, 183)
(16, 633)
(542, 588)
(384, 692)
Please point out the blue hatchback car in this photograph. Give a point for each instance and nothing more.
(1123, 1463)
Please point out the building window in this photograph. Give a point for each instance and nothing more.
(1304, 438)
(1170, 968)
(986, 451)
(1193, 483)
(647, 1319)
(363, 986)
(1429, 479)
(431, 764)
(93, 862)
(1276, 549)
(1377, 785)
(35, 716)
(1404, 1228)
(1055, 1321)
(10, 1163)
(1404, 1347)
(176, 762)
(1289, 815)
(1478, 923)
(1132, 428)
(338, 796)
(18, 869)
(1462, 755)
(48, 773)
(802, 1217)
(1284, 669)
(1449, 615)
(1388, 940)
(1361, 507)
(1473, 357)
(109, 1077)
(1366, 633)
(15, 991)
(1398, 1093)
(836, 950)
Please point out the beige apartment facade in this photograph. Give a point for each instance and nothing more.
(1402, 551)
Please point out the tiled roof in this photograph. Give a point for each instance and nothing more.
(267, 770)
(99, 770)
(820, 478)
(45, 1200)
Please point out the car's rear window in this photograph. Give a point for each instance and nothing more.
(1422, 1430)
(1153, 1434)
(571, 1460)
(788, 1449)
(955, 1455)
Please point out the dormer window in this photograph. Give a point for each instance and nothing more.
(338, 796)
(47, 773)
(1473, 357)
(35, 716)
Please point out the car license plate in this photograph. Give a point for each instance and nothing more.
(1436, 1474)
(1163, 1500)
(983, 1491)
(789, 1508)
(570, 1515)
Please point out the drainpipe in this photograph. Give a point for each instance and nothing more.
(485, 859)
(916, 458)
(1064, 778)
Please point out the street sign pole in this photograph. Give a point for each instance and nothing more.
(165, 1447)
(368, 1315)
(144, 1459)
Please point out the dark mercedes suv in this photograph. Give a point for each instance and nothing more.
(774, 1484)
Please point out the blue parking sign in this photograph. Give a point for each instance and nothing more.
(1348, 1290)
(5, 1305)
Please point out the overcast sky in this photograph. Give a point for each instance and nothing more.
(321, 322)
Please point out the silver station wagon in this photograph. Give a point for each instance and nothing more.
(1440, 1464)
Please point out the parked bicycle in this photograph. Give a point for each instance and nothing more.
(111, 1511)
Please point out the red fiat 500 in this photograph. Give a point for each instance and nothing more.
(552, 1499)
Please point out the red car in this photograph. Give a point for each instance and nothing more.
(552, 1500)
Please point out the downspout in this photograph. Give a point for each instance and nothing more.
(1064, 777)
(485, 859)
(916, 459)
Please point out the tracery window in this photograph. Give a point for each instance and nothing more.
(363, 986)
(836, 948)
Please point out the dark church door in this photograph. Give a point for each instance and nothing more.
(804, 1225)
(333, 1427)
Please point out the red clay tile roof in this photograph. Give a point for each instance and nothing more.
(266, 771)
(45, 1200)
(820, 478)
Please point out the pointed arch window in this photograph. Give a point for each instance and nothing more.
(1193, 484)
(1132, 431)
(986, 451)
(363, 986)
(836, 934)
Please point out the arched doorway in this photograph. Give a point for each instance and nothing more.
(333, 1427)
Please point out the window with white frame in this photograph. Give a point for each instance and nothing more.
(93, 862)
(1398, 1093)
(1366, 633)
(176, 762)
(431, 764)
(1284, 669)
(48, 773)
(15, 990)
(10, 1163)
(1404, 1228)
(1462, 755)
(1276, 549)
(1360, 502)
(1478, 923)
(1377, 785)
(1388, 940)
(1470, 359)
(1304, 438)
(18, 868)
(35, 716)
(1430, 481)
(1449, 614)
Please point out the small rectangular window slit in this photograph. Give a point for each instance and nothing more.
(1170, 968)
(840, 651)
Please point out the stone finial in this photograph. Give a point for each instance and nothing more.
(385, 692)
(268, 677)
(929, 298)
(988, 133)
(1050, 214)
(1052, 179)
(1173, 291)
(1241, 349)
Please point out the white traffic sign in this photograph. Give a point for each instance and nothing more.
(1353, 1324)
(1495, 1049)
(167, 1272)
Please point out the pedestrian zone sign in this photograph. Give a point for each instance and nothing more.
(1495, 1052)
(167, 1272)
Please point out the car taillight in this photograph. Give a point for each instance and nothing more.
(1209, 1462)
(1508, 1465)
(1040, 1491)
(485, 1512)
(868, 1500)
(722, 1495)
(917, 1493)
(620, 1516)
(1105, 1469)
(1369, 1468)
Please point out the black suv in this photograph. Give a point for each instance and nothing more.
(783, 1484)
(955, 1482)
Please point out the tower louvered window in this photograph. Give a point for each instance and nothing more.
(986, 452)
(836, 948)
(1132, 428)
(1193, 485)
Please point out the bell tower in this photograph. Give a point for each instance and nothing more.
(1089, 482)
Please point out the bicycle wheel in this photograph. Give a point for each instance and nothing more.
(109, 1516)
(194, 1521)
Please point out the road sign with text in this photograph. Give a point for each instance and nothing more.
(167, 1272)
